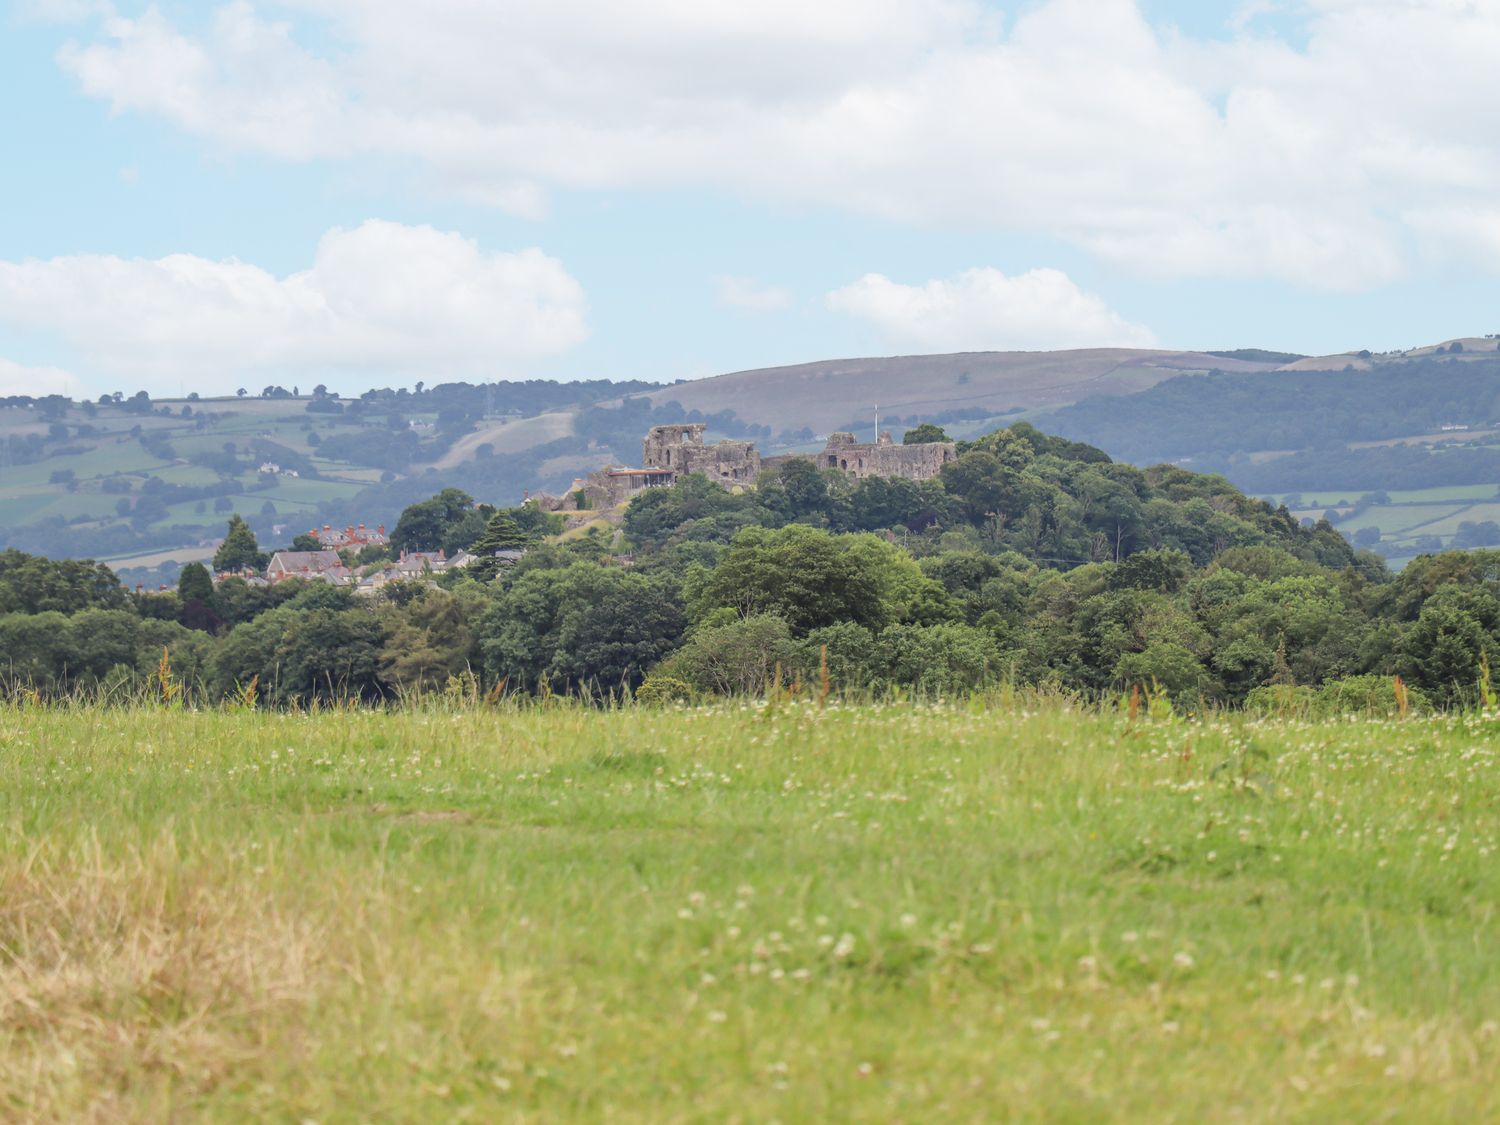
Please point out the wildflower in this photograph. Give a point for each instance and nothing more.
(865, 1070)
(1183, 960)
(908, 921)
(844, 947)
(717, 1017)
(1130, 937)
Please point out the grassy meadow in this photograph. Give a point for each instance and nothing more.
(758, 912)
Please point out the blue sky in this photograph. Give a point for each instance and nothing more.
(373, 192)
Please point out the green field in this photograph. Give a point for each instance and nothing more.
(746, 913)
(28, 494)
(1410, 513)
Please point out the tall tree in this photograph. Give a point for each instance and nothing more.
(240, 550)
(194, 582)
(422, 526)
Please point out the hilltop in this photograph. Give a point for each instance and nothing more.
(141, 482)
(833, 394)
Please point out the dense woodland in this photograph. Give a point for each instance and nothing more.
(1032, 560)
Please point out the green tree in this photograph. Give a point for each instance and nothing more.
(805, 576)
(586, 628)
(924, 433)
(947, 659)
(737, 658)
(194, 582)
(239, 551)
(32, 584)
(501, 533)
(429, 639)
(423, 525)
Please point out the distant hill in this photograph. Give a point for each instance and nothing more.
(832, 393)
(146, 483)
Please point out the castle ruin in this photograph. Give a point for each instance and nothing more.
(678, 450)
(681, 448)
(884, 458)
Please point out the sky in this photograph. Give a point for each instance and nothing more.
(206, 196)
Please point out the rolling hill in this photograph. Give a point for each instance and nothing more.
(833, 393)
(142, 483)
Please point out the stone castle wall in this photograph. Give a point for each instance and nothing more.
(681, 449)
(884, 458)
(669, 452)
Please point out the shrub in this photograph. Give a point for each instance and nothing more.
(661, 691)
(1367, 695)
(737, 658)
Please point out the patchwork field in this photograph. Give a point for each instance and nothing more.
(747, 913)
(1406, 516)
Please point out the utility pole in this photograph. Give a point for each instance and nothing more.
(877, 422)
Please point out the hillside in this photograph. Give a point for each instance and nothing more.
(141, 483)
(833, 394)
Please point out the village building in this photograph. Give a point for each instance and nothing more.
(321, 565)
(332, 539)
(412, 566)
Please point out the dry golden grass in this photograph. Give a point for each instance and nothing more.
(131, 983)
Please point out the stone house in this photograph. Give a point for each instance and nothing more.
(306, 564)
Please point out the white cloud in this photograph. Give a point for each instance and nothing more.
(401, 300)
(17, 379)
(984, 310)
(1249, 157)
(749, 294)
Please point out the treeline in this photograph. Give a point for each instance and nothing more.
(1213, 417)
(1031, 560)
(1381, 467)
